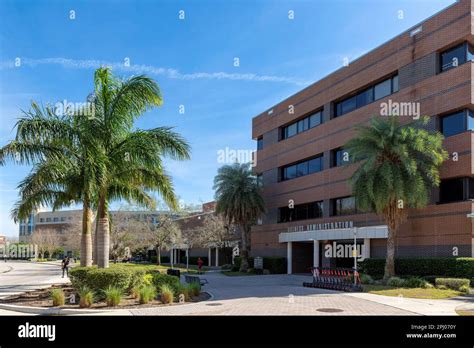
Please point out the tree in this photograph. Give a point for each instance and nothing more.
(400, 165)
(239, 200)
(215, 232)
(133, 158)
(121, 237)
(164, 235)
(64, 155)
(46, 240)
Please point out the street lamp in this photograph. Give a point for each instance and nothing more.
(354, 253)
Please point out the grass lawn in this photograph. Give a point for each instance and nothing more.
(469, 313)
(431, 293)
(161, 268)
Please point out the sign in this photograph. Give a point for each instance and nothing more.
(235, 251)
(319, 227)
(258, 263)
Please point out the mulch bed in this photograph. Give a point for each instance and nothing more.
(42, 298)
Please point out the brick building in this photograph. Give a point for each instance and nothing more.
(301, 161)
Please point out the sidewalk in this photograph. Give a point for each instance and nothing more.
(420, 306)
(4, 268)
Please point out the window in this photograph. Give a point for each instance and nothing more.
(451, 190)
(41, 219)
(458, 122)
(304, 211)
(302, 168)
(48, 219)
(55, 219)
(383, 89)
(367, 96)
(301, 125)
(260, 143)
(260, 180)
(454, 57)
(343, 206)
(340, 157)
(63, 218)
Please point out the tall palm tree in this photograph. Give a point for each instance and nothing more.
(63, 154)
(400, 165)
(239, 200)
(133, 158)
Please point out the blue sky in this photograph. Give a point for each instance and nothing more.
(192, 60)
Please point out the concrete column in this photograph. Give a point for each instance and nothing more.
(315, 253)
(171, 257)
(217, 257)
(289, 256)
(366, 248)
(209, 257)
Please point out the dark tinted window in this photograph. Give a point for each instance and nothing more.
(315, 120)
(470, 120)
(340, 157)
(451, 190)
(302, 168)
(471, 189)
(301, 125)
(315, 165)
(453, 124)
(367, 96)
(344, 206)
(259, 143)
(304, 211)
(453, 57)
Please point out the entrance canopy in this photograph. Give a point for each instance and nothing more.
(334, 234)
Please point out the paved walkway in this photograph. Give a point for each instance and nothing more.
(273, 295)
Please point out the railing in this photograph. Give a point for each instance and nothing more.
(341, 279)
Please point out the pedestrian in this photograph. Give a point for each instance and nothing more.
(65, 266)
(200, 263)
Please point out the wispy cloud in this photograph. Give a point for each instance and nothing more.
(152, 70)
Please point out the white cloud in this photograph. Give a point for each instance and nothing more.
(152, 70)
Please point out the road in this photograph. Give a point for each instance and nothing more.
(20, 276)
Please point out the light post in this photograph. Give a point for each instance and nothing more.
(354, 253)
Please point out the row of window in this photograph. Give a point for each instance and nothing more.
(367, 96)
(456, 56)
(450, 190)
(313, 210)
(339, 157)
(302, 168)
(302, 125)
(448, 59)
(457, 122)
(55, 219)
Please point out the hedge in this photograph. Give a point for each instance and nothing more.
(461, 267)
(276, 265)
(164, 259)
(193, 260)
(452, 283)
(161, 279)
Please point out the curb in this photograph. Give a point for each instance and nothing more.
(68, 311)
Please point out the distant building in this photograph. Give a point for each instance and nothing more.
(3, 240)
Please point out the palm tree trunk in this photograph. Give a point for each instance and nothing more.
(391, 217)
(96, 254)
(103, 235)
(86, 238)
(244, 254)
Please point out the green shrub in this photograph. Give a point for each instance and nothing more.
(86, 297)
(465, 289)
(162, 279)
(164, 259)
(396, 282)
(460, 267)
(452, 283)
(194, 289)
(166, 293)
(415, 282)
(135, 292)
(366, 279)
(227, 267)
(182, 290)
(193, 260)
(57, 295)
(276, 265)
(99, 279)
(113, 295)
(137, 278)
(148, 279)
(146, 294)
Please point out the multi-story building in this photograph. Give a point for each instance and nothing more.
(305, 171)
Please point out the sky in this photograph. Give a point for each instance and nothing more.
(218, 64)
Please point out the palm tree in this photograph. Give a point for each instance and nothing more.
(239, 200)
(133, 158)
(62, 153)
(400, 166)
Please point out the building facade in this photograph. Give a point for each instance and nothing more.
(427, 70)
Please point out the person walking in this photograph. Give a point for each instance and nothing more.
(65, 266)
(200, 263)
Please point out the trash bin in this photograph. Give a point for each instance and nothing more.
(173, 272)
